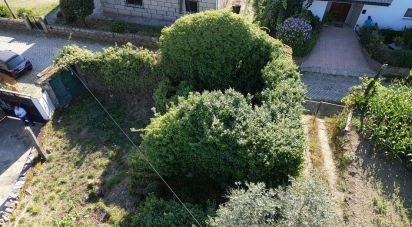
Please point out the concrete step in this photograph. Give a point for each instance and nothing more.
(337, 71)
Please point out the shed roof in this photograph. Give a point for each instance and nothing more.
(6, 55)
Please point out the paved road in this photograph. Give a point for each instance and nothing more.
(15, 148)
(331, 88)
(40, 49)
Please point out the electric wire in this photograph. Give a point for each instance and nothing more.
(136, 147)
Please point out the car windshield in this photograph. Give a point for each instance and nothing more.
(14, 62)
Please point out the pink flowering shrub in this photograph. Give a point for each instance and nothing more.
(295, 32)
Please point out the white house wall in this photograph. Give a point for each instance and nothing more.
(388, 16)
(318, 8)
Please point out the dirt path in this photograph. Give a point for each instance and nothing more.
(308, 163)
(329, 167)
(367, 189)
(372, 182)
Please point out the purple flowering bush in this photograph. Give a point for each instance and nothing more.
(295, 32)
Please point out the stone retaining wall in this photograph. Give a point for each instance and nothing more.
(12, 23)
(66, 31)
(138, 40)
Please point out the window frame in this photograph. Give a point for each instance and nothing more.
(134, 5)
(408, 13)
(186, 6)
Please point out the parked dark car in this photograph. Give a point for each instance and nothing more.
(13, 64)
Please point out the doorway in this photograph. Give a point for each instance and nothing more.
(340, 11)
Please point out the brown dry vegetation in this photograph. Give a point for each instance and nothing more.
(372, 196)
(84, 182)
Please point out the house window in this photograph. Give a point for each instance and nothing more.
(134, 2)
(408, 13)
(192, 6)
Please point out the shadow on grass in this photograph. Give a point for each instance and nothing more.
(390, 172)
(88, 133)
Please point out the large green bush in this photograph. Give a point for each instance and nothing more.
(388, 118)
(221, 138)
(76, 9)
(216, 50)
(156, 212)
(125, 69)
(305, 203)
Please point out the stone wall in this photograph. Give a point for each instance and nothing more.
(167, 10)
(12, 23)
(138, 40)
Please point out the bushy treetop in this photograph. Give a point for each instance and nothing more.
(217, 50)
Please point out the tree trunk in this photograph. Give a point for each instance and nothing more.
(11, 11)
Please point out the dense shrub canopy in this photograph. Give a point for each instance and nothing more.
(156, 212)
(216, 50)
(76, 9)
(295, 32)
(305, 203)
(120, 69)
(388, 120)
(224, 138)
(372, 40)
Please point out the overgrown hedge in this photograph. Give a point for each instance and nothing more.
(388, 118)
(373, 41)
(305, 203)
(216, 50)
(205, 141)
(124, 69)
(157, 212)
(73, 10)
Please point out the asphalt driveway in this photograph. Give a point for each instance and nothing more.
(15, 148)
(40, 50)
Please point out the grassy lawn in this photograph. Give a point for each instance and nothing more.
(39, 7)
(84, 181)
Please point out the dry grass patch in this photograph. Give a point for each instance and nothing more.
(314, 144)
(84, 182)
(39, 7)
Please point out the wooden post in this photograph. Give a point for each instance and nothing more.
(36, 142)
(11, 11)
(348, 121)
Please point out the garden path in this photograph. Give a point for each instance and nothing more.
(337, 52)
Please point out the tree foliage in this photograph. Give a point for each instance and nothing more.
(216, 50)
(125, 69)
(157, 212)
(221, 137)
(304, 203)
(272, 13)
(76, 9)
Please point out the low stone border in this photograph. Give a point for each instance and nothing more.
(7, 208)
(389, 71)
(12, 23)
(139, 40)
(67, 31)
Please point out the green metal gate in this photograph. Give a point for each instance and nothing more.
(66, 86)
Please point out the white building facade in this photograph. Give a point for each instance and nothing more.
(393, 14)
